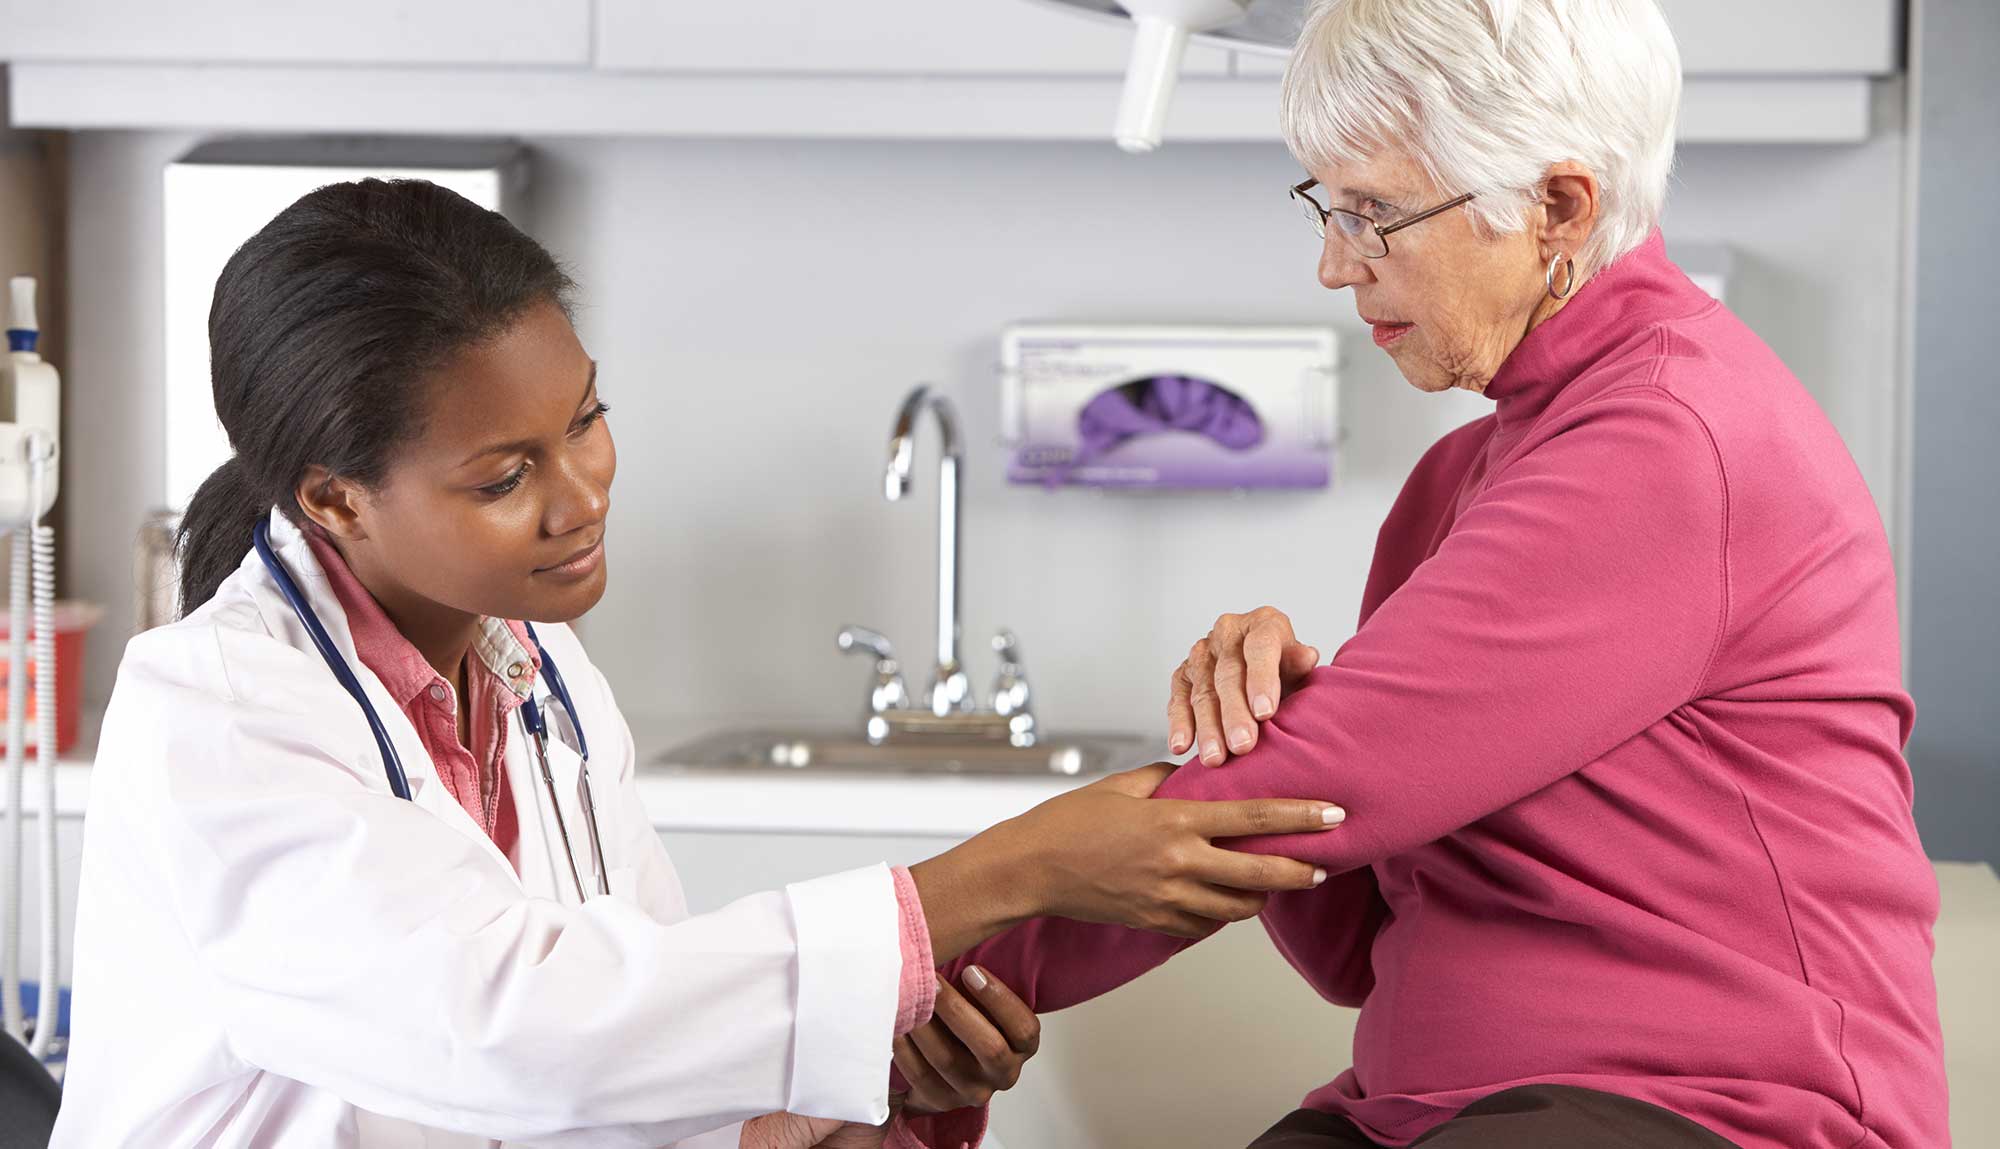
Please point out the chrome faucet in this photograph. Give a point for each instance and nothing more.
(950, 707)
(951, 690)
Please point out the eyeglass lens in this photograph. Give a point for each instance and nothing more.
(1357, 230)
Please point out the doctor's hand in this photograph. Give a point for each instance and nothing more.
(1112, 853)
(1109, 853)
(1232, 680)
(791, 1131)
(973, 1047)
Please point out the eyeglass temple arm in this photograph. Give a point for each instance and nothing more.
(1424, 215)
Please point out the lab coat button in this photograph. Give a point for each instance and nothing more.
(515, 670)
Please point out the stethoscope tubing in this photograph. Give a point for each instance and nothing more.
(532, 719)
(392, 765)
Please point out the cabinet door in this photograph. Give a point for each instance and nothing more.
(1787, 37)
(298, 31)
(861, 37)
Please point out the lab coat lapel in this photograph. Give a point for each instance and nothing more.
(426, 788)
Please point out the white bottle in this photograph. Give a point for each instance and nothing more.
(30, 401)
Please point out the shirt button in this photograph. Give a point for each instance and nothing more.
(516, 670)
(437, 692)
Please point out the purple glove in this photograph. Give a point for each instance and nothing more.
(1161, 403)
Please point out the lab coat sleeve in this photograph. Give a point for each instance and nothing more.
(354, 942)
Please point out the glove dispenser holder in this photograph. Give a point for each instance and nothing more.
(1169, 407)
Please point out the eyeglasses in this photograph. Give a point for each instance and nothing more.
(1369, 239)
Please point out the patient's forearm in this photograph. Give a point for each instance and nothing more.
(1054, 963)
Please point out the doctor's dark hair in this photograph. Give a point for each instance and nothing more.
(323, 327)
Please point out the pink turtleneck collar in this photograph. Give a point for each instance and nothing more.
(1636, 291)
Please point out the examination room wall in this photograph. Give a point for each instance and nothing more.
(759, 308)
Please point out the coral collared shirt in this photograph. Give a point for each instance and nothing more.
(499, 677)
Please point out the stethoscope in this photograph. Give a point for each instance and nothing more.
(533, 720)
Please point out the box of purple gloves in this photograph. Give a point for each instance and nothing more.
(1151, 406)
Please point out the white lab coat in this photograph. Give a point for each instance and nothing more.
(275, 951)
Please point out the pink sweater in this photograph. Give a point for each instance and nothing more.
(1619, 740)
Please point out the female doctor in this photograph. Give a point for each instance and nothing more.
(365, 864)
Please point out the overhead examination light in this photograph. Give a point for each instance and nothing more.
(1162, 29)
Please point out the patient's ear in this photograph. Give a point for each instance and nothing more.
(1569, 205)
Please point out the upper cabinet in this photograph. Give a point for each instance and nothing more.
(506, 32)
(1787, 37)
(868, 37)
(1757, 70)
(1771, 38)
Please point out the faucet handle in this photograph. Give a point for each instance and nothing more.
(1011, 699)
(889, 691)
(856, 639)
(1010, 684)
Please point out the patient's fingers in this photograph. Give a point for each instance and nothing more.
(1239, 730)
(1244, 817)
(1018, 1023)
(1263, 649)
(1180, 712)
(1207, 708)
(1241, 871)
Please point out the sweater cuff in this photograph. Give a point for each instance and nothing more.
(958, 1129)
(918, 991)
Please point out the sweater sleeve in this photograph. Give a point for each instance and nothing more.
(1575, 602)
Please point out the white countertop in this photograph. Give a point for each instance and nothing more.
(914, 805)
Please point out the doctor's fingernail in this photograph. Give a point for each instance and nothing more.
(1211, 753)
(1319, 875)
(1333, 815)
(1179, 744)
(1241, 739)
(1261, 707)
(975, 977)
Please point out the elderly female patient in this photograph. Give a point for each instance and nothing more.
(1629, 857)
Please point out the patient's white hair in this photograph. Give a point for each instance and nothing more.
(1487, 94)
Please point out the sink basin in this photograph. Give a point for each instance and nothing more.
(850, 752)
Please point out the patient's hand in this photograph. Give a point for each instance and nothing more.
(971, 1049)
(1232, 680)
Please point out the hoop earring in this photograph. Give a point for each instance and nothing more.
(1569, 276)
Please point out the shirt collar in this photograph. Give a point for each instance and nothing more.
(502, 646)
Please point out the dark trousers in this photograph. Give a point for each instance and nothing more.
(1526, 1117)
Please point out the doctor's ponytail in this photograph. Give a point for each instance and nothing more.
(323, 328)
(223, 512)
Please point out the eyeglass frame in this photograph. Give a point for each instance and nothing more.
(1302, 193)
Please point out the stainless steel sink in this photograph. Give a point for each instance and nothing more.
(822, 750)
